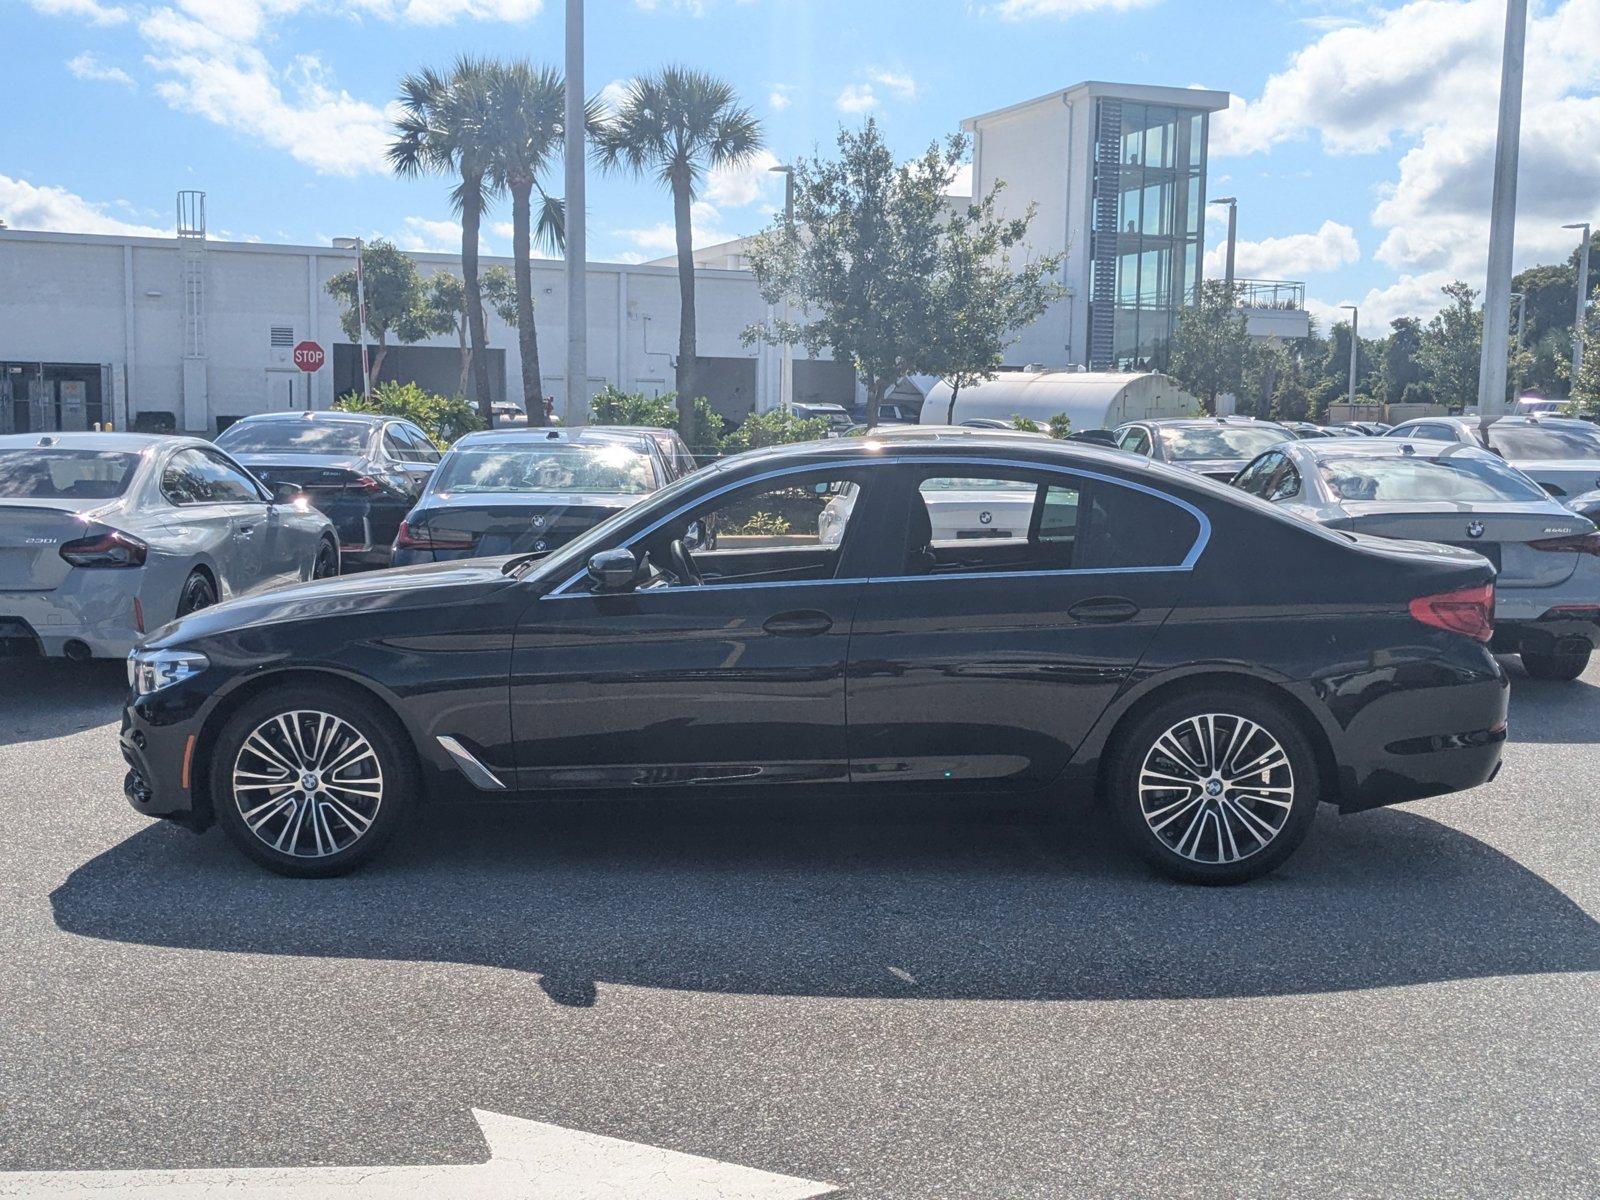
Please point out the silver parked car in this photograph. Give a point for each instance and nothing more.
(1561, 454)
(1547, 595)
(105, 537)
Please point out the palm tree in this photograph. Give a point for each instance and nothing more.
(444, 129)
(528, 108)
(676, 125)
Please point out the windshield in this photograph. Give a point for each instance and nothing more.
(547, 467)
(1190, 443)
(296, 437)
(57, 474)
(1535, 442)
(1453, 477)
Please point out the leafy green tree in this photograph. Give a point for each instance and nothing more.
(527, 108)
(978, 300)
(778, 427)
(614, 407)
(444, 311)
(1451, 347)
(677, 125)
(1211, 345)
(862, 259)
(1059, 426)
(1266, 363)
(1400, 367)
(442, 418)
(394, 293)
(1586, 387)
(444, 128)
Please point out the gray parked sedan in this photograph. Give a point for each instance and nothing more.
(1561, 454)
(107, 536)
(1547, 595)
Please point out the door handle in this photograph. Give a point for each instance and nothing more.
(246, 530)
(804, 623)
(1103, 610)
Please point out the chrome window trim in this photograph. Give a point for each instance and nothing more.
(1202, 538)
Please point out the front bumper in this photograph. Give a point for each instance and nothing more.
(160, 733)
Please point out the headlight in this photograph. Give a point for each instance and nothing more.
(151, 670)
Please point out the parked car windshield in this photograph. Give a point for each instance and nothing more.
(1191, 443)
(1453, 477)
(59, 474)
(1536, 442)
(295, 437)
(547, 467)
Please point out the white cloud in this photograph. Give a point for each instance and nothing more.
(1017, 10)
(614, 93)
(85, 10)
(1408, 296)
(1425, 76)
(961, 185)
(662, 239)
(857, 98)
(421, 233)
(24, 205)
(88, 66)
(899, 84)
(778, 97)
(1291, 257)
(735, 187)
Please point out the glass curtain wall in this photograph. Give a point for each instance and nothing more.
(1156, 243)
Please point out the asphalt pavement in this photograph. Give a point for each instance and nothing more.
(917, 999)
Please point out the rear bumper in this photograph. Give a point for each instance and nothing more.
(1552, 632)
(99, 616)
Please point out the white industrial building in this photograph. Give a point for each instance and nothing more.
(189, 333)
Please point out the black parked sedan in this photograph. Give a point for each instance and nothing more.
(1126, 640)
(364, 472)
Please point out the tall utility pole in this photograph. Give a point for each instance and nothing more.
(577, 366)
(1502, 223)
(786, 380)
(1583, 302)
(1355, 346)
(356, 244)
(1233, 235)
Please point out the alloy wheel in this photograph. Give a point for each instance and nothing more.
(307, 783)
(1216, 788)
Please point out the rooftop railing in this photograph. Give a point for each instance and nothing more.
(1269, 293)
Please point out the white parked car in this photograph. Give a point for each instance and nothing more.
(105, 537)
(1561, 454)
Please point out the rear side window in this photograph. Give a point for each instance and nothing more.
(1136, 441)
(1126, 527)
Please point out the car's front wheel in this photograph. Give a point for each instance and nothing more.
(311, 782)
(326, 565)
(1214, 787)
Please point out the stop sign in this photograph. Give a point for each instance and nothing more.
(309, 356)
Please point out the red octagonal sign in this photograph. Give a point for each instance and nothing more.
(309, 356)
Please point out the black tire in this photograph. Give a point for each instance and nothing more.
(198, 592)
(303, 854)
(1560, 667)
(326, 565)
(1243, 804)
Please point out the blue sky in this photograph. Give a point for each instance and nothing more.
(1359, 145)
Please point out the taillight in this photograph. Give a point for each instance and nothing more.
(366, 483)
(109, 549)
(429, 538)
(1469, 611)
(1581, 543)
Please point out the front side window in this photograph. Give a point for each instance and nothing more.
(1257, 475)
(195, 477)
(1285, 484)
(1135, 441)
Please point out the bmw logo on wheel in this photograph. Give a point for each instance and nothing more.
(1475, 530)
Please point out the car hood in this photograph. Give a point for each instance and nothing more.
(398, 588)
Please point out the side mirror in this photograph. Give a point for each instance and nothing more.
(286, 493)
(613, 570)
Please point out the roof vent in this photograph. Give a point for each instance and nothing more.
(282, 336)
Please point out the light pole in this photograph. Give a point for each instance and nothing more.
(786, 371)
(1355, 345)
(1502, 223)
(577, 365)
(347, 243)
(1583, 302)
(1233, 236)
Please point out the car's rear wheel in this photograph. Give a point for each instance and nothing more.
(311, 782)
(1563, 667)
(198, 592)
(1214, 787)
(327, 563)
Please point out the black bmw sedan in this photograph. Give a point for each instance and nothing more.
(1127, 641)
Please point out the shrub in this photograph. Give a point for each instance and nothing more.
(1026, 424)
(614, 407)
(776, 428)
(442, 418)
(1060, 426)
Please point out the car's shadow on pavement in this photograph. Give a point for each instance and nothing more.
(929, 899)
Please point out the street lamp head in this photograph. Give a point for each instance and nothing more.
(782, 169)
(1223, 200)
(1577, 225)
(347, 243)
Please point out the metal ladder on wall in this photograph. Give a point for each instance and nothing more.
(1103, 238)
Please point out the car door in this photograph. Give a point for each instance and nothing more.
(284, 539)
(214, 522)
(987, 660)
(732, 673)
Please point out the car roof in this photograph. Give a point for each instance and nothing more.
(320, 417)
(1209, 422)
(912, 432)
(545, 434)
(124, 442)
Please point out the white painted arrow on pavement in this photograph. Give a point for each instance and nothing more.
(528, 1160)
